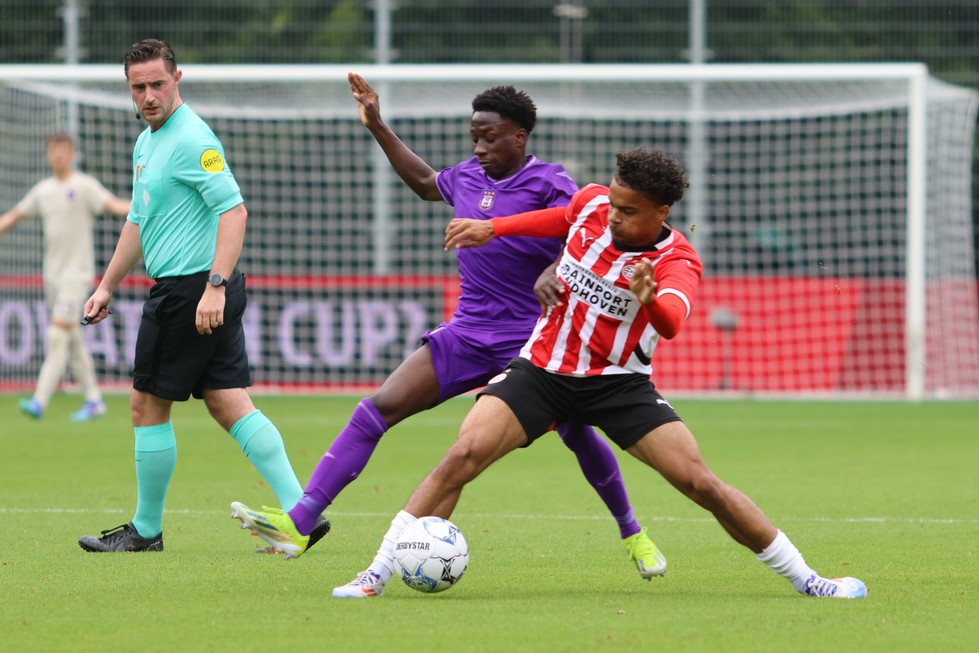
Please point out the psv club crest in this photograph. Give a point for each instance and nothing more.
(486, 202)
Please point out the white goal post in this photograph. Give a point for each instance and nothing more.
(830, 202)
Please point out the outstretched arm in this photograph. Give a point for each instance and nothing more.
(418, 175)
(545, 223)
(9, 219)
(116, 206)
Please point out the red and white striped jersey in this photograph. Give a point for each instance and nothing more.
(602, 328)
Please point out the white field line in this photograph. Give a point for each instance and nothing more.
(522, 516)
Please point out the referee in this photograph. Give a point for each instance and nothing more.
(187, 222)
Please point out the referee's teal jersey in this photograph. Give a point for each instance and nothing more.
(181, 186)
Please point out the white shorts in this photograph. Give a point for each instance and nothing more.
(66, 299)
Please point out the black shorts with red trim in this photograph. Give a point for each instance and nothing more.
(173, 361)
(625, 406)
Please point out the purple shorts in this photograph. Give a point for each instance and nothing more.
(465, 359)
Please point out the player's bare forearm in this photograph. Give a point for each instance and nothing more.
(117, 206)
(464, 232)
(9, 219)
(413, 170)
(549, 289)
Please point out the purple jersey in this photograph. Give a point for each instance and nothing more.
(498, 278)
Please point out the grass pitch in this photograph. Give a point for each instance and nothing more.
(887, 492)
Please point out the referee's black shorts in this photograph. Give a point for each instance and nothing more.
(624, 406)
(172, 360)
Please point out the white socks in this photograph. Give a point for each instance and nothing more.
(383, 564)
(64, 346)
(83, 367)
(53, 367)
(786, 561)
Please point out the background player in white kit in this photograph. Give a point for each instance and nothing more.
(67, 202)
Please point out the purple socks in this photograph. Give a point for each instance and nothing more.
(348, 455)
(600, 466)
(340, 465)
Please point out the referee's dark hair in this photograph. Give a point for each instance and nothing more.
(149, 50)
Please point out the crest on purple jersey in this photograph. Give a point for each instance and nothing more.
(486, 202)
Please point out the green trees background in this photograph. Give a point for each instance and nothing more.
(942, 34)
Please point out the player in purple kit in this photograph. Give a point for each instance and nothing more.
(496, 313)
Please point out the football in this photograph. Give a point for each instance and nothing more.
(431, 554)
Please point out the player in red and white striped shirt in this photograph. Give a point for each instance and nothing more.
(605, 328)
(629, 280)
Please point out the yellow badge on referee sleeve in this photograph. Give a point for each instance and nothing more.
(212, 161)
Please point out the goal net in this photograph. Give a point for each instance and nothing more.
(830, 203)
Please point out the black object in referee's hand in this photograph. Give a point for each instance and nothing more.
(86, 320)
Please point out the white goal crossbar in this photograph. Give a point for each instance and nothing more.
(715, 106)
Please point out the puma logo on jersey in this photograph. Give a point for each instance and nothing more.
(585, 238)
(664, 402)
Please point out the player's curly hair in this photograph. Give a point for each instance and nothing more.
(653, 173)
(513, 105)
(150, 50)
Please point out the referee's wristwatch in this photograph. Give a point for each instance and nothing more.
(217, 280)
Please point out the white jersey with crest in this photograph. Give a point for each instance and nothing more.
(68, 208)
(602, 328)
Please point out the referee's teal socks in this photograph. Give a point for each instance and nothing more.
(262, 444)
(156, 457)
